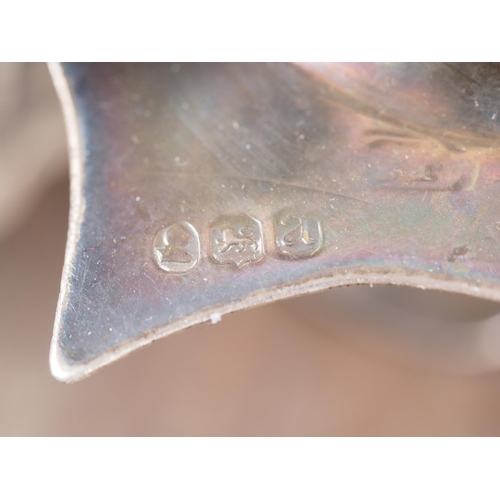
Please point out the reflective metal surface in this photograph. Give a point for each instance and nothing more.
(201, 189)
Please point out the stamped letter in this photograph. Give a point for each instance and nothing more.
(297, 236)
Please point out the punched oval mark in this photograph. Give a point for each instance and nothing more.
(176, 248)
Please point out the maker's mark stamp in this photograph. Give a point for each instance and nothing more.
(298, 235)
(176, 248)
(236, 240)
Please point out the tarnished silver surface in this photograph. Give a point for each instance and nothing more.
(201, 189)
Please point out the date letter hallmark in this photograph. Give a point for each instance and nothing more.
(236, 240)
(298, 236)
(176, 248)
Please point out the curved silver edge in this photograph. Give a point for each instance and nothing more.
(77, 207)
(65, 372)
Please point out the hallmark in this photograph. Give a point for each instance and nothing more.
(236, 240)
(296, 235)
(176, 248)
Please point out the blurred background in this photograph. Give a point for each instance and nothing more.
(354, 361)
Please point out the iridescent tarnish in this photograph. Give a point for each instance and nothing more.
(396, 162)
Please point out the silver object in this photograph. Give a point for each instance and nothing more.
(286, 179)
